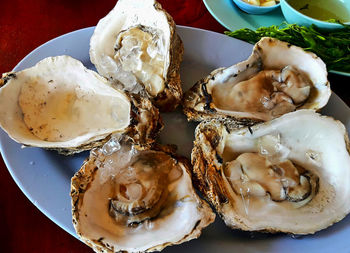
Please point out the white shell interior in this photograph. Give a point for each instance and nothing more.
(95, 221)
(271, 54)
(303, 134)
(127, 14)
(60, 103)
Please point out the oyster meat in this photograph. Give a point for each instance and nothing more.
(276, 79)
(136, 46)
(136, 201)
(59, 104)
(291, 174)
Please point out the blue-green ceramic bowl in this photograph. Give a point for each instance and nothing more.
(253, 9)
(295, 17)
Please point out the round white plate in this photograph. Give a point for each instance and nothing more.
(44, 176)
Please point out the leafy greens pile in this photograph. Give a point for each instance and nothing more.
(332, 46)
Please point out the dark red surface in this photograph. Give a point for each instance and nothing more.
(25, 25)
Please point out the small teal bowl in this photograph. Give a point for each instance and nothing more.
(295, 17)
(253, 9)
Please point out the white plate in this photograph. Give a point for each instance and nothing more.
(44, 176)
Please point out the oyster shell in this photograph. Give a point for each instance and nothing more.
(136, 45)
(59, 104)
(277, 78)
(136, 201)
(291, 174)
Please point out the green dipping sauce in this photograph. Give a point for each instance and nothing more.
(323, 9)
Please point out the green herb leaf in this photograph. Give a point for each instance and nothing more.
(332, 46)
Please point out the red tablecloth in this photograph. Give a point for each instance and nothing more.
(24, 25)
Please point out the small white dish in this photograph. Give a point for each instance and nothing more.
(253, 9)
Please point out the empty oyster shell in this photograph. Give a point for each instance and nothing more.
(136, 45)
(136, 201)
(277, 78)
(59, 104)
(291, 174)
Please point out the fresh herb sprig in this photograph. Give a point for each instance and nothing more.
(332, 46)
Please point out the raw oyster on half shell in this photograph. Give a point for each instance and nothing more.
(276, 79)
(136, 201)
(291, 174)
(59, 104)
(136, 46)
